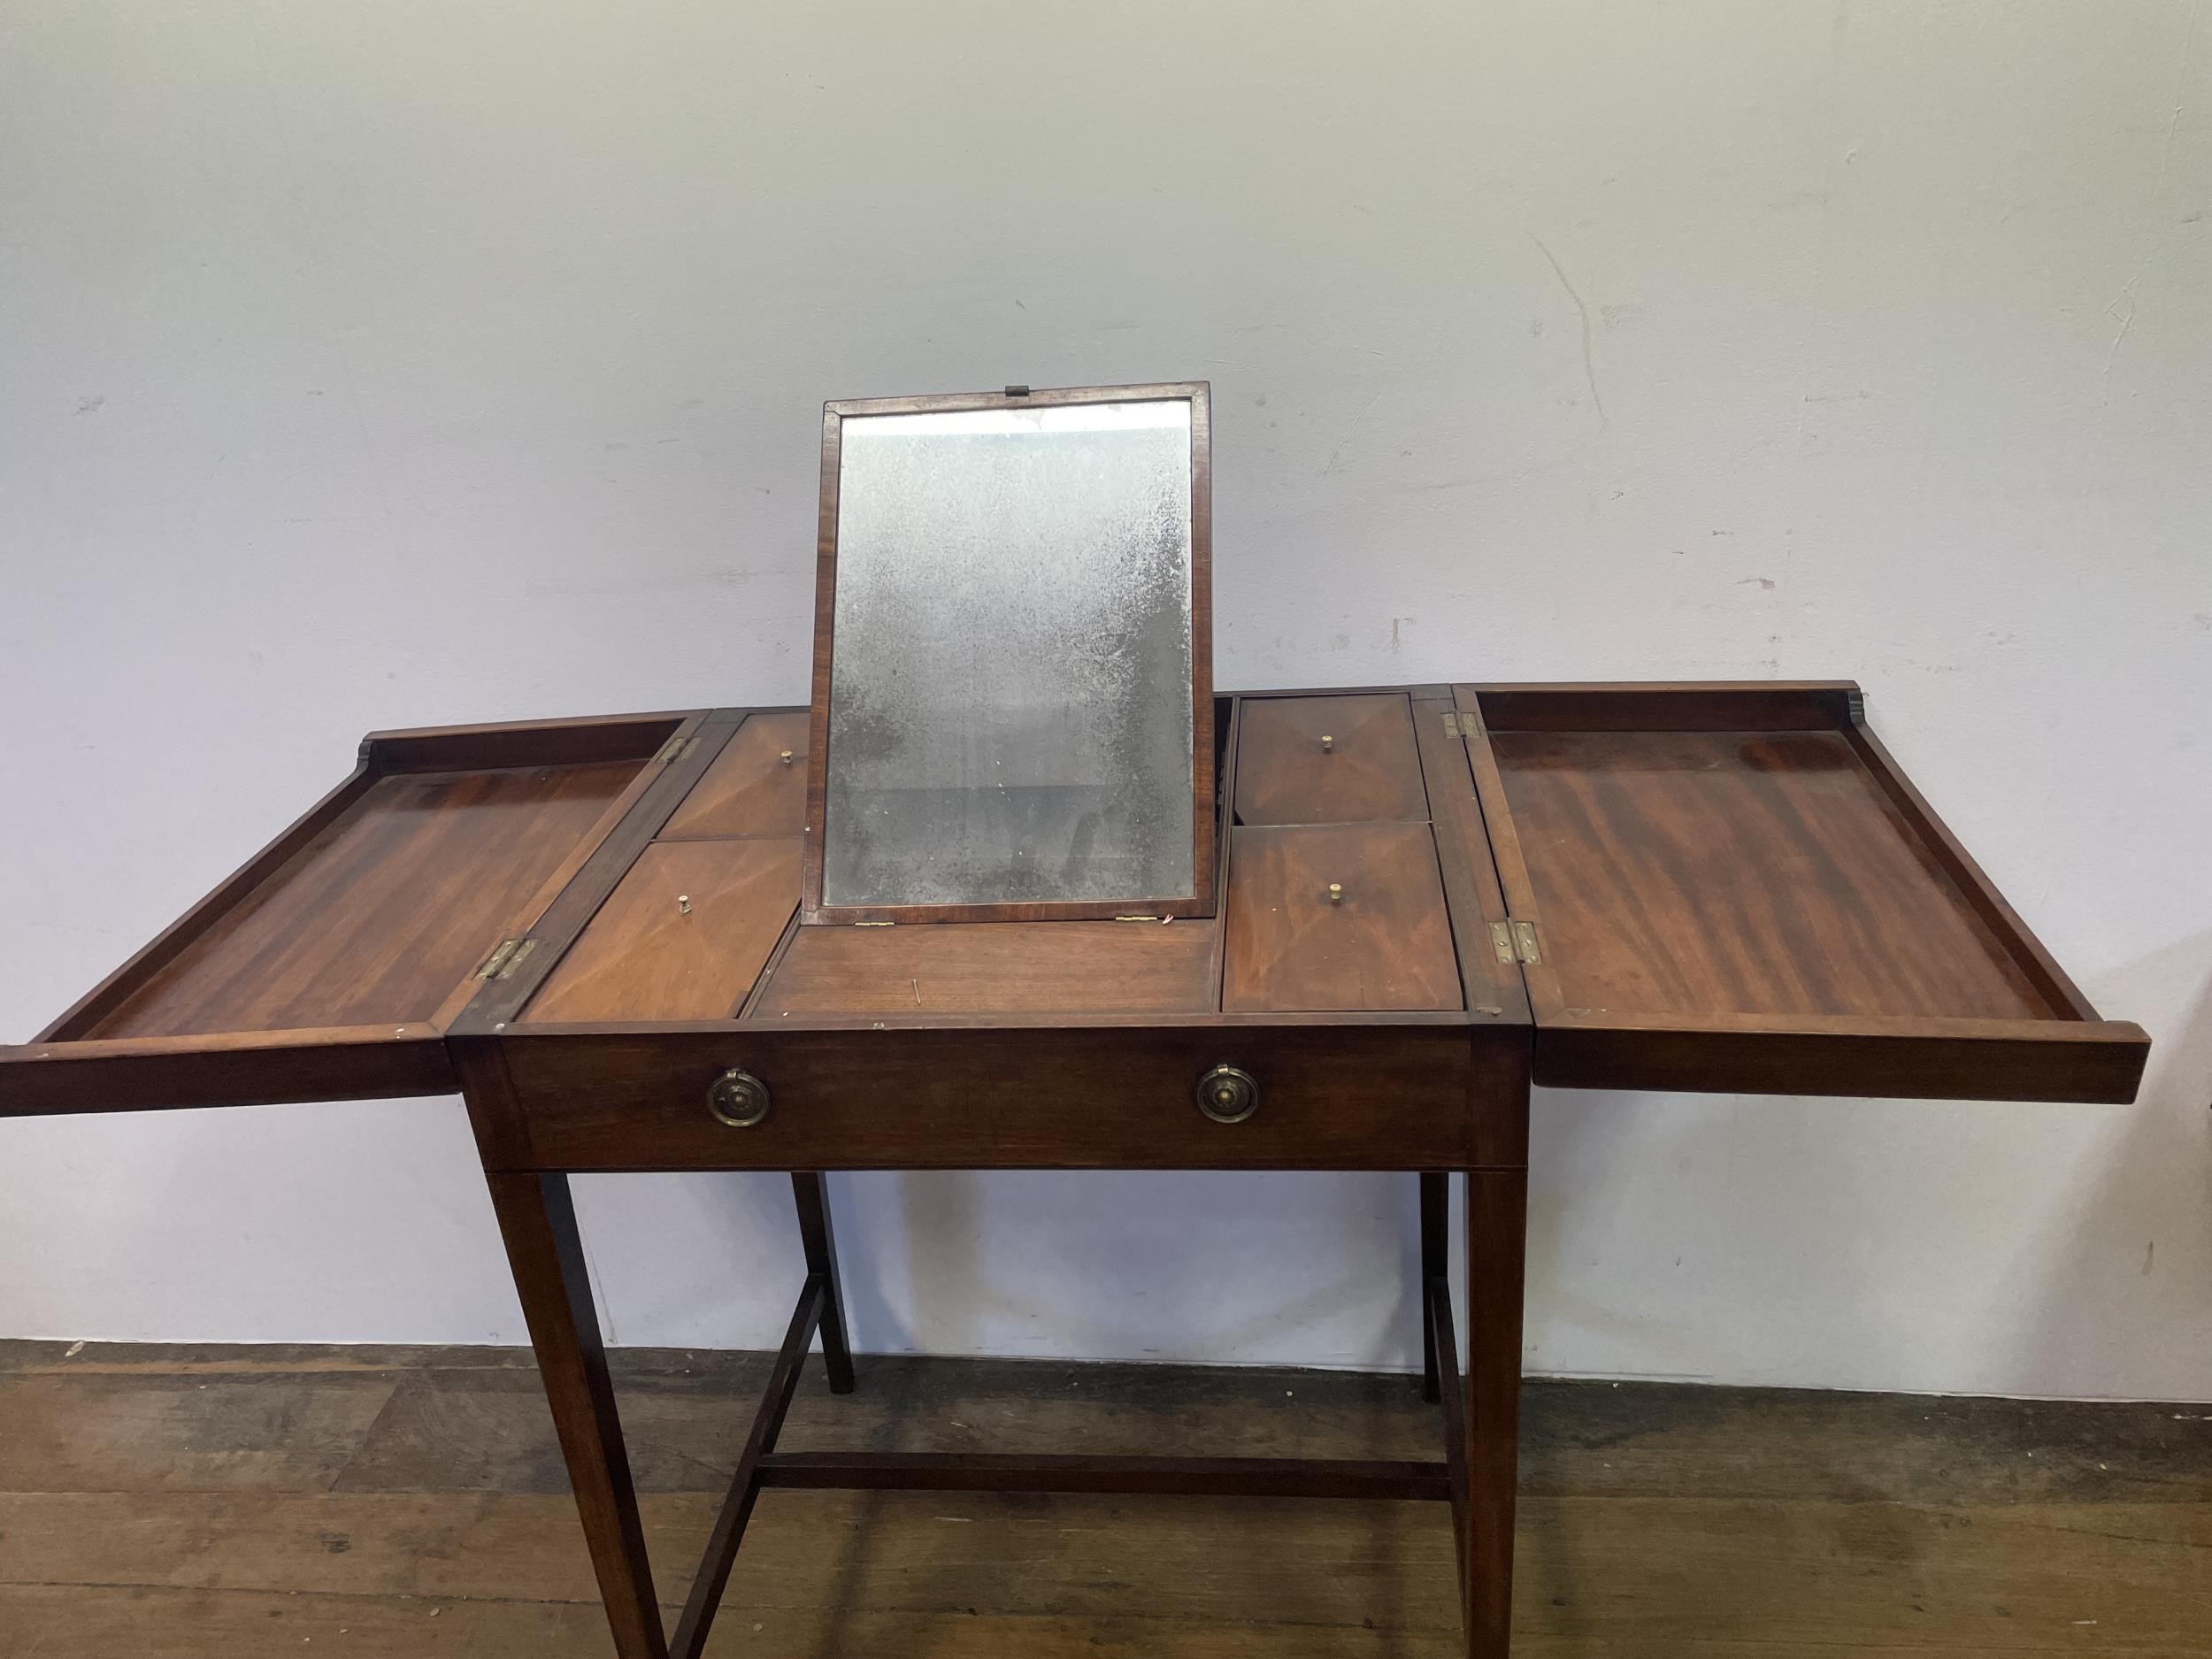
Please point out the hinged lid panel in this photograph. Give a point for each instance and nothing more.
(1733, 887)
(329, 966)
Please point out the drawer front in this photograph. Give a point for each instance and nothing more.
(1415, 1096)
(1328, 760)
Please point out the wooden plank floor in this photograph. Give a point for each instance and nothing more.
(166, 1501)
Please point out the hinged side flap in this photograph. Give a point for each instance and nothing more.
(329, 966)
(1759, 901)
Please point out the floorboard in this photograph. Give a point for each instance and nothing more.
(401, 1501)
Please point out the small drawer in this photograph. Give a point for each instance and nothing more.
(755, 786)
(1384, 1096)
(1337, 916)
(1328, 760)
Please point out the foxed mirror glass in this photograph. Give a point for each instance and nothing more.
(1013, 691)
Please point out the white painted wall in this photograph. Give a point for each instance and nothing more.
(374, 365)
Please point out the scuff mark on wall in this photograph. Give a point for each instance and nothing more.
(1589, 362)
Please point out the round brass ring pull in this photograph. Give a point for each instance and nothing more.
(739, 1099)
(1228, 1095)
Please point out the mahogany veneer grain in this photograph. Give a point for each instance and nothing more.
(1382, 941)
(1755, 872)
(750, 789)
(1371, 769)
(996, 968)
(380, 917)
(683, 937)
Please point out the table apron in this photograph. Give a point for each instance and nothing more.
(1341, 1097)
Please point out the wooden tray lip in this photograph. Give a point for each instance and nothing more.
(2074, 1053)
(57, 1072)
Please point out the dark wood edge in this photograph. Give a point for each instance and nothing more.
(552, 1278)
(102, 999)
(564, 918)
(524, 743)
(1276, 692)
(495, 1115)
(233, 1069)
(1472, 897)
(748, 1004)
(1205, 854)
(824, 626)
(1040, 398)
(1200, 902)
(1436, 1306)
(2025, 949)
(1154, 1477)
(1723, 705)
(1224, 843)
(1188, 909)
(987, 1025)
(746, 1482)
(1913, 1059)
(1538, 982)
(648, 777)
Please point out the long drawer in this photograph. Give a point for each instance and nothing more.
(1405, 1095)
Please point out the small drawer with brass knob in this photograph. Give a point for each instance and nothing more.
(1228, 1095)
(740, 1098)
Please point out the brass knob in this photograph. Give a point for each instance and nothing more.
(1228, 1095)
(785, 758)
(1335, 894)
(739, 1099)
(1328, 743)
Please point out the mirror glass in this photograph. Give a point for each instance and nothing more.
(1010, 698)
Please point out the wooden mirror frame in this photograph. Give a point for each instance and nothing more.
(1202, 899)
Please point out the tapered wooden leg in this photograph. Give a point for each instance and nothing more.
(1436, 1208)
(538, 1220)
(821, 1258)
(1497, 1226)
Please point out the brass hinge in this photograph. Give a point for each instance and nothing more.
(505, 958)
(1515, 941)
(1140, 919)
(1457, 725)
(677, 749)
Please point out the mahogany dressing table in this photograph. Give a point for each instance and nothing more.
(587, 927)
(1029, 896)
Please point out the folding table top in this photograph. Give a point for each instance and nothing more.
(1712, 887)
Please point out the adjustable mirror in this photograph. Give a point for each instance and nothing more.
(1013, 685)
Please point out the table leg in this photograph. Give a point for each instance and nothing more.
(538, 1220)
(821, 1257)
(1436, 1208)
(1497, 1223)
